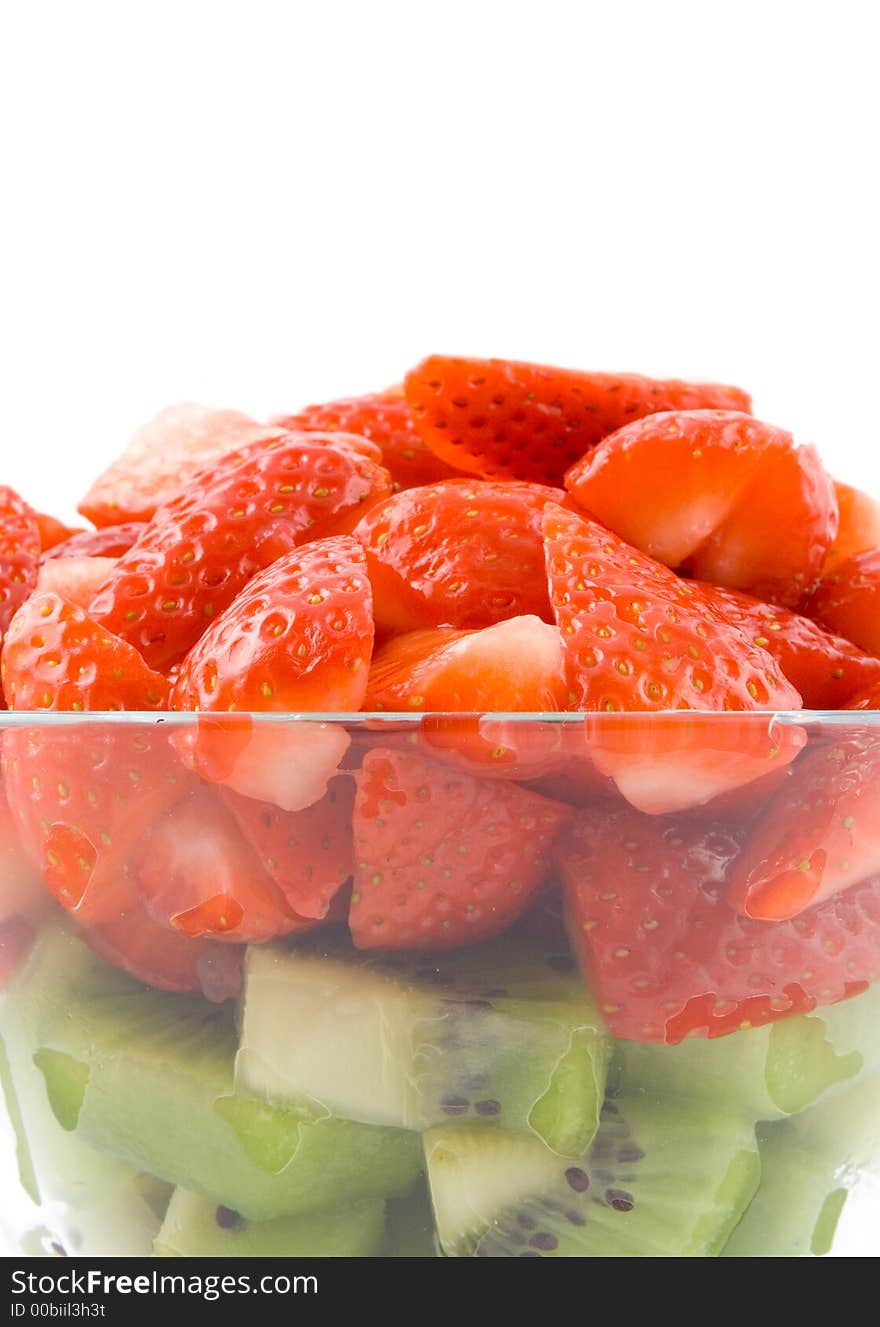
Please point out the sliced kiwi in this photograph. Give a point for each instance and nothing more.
(768, 1072)
(818, 1170)
(409, 1226)
(660, 1180)
(196, 1227)
(504, 1035)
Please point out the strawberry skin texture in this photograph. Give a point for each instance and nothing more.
(505, 419)
(19, 554)
(386, 419)
(54, 532)
(858, 528)
(820, 833)
(666, 956)
(827, 670)
(110, 542)
(57, 658)
(443, 859)
(848, 601)
(232, 520)
(462, 553)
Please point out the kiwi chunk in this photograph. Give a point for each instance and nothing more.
(816, 1178)
(196, 1227)
(409, 1226)
(504, 1035)
(767, 1072)
(667, 1179)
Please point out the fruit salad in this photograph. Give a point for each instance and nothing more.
(445, 823)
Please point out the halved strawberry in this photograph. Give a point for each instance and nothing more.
(196, 873)
(163, 456)
(827, 670)
(22, 894)
(109, 542)
(508, 420)
(666, 956)
(848, 600)
(229, 522)
(309, 854)
(56, 657)
(16, 937)
(820, 833)
(443, 859)
(156, 954)
(858, 528)
(639, 639)
(82, 797)
(53, 532)
(19, 554)
(75, 579)
(386, 419)
(869, 699)
(461, 553)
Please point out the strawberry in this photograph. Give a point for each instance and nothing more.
(19, 554)
(196, 873)
(386, 419)
(461, 554)
(507, 420)
(54, 532)
(869, 699)
(827, 670)
(820, 833)
(163, 456)
(56, 657)
(637, 638)
(665, 955)
(443, 859)
(82, 798)
(308, 854)
(109, 542)
(156, 954)
(858, 528)
(231, 520)
(848, 601)
(16, 939)
(75, 579)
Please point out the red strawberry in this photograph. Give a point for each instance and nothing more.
(56, 657)
(19, 554)
(443, 859)
(386, 419)
(461, 554)
(196, 873)
(163, 456)
(858, 528)
(16, 938)
(665, 955)
(820, 833)
(156, 954)
(110, 542)
(230, 522)
(75, 579)
(507, 420)
(827, 670)
(21, 887)
(639, 639)
(82, 798)
(848, 601)
(53, 532)
(308, 854)
(866, 700)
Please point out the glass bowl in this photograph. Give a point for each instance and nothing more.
(401, 985)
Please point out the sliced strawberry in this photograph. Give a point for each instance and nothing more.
(196, 873)
(666, 956)
(110, 542)
(858, 528)
(19, 554)
(309, 854)
(22, 893)
(56, 657)
(639, 639)
(386, 419)
(82, 797)
(820, 833)
(827, 670)
(153, 953)
(75, 579)
(231, 521)
(461, 554)
(443, 859)
(162, 457)
(508, 420)
(848, 601)
(16, 938)
(868, 699)
(54, 532)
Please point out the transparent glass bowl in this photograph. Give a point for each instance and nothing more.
(196, 1061)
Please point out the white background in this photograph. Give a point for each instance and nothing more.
(261, 204)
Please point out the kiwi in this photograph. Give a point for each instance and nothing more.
(667, 1179)
(817, 1172)
(409, 1226)
(503, 1035)
(767, 1072)
(196, 1227)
